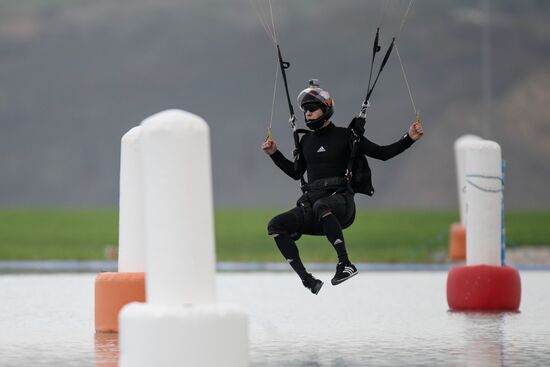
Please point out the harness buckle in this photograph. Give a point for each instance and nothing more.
(364, 107)
(348, 175)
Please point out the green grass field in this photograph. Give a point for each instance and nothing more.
(376, 236)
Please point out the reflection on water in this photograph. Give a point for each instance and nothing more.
(375, 319)
(106, 349)
(483, 338)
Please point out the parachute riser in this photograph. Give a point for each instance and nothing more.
(375, 50)
(285, 65)
(292, 119)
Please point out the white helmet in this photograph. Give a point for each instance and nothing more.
(316, 96)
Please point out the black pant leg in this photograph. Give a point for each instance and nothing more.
(331, 211)
(285, 227)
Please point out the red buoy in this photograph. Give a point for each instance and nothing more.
(483, 288)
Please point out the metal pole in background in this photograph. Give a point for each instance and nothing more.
(486, 70)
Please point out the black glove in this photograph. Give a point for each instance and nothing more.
(357, 125)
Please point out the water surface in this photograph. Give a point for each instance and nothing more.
(375, 319)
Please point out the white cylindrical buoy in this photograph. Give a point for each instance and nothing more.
(484, 203)
(460, 146)
(180, 325)
(179, 209)
(457, 232)
(113, 290)
(205, 335)
(131, 232)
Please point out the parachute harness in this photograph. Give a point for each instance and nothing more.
(266, 18)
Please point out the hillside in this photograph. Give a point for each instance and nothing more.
(76, 75)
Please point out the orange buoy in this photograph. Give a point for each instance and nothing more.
(457, 241)
(113, 291)
(483, 288)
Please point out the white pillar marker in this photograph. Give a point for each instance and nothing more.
(131, 227)
(460, 146)
(181, 323)
(179, 209)
(484, 203)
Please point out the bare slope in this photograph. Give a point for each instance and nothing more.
(74, 76)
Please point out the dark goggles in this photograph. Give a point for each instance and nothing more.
(312, 107)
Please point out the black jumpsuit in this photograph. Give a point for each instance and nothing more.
(325, 154)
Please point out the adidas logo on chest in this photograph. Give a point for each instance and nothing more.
(321, 149)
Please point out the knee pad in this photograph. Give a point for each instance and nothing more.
(283, 223)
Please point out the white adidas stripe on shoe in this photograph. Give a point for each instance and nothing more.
(344, 274)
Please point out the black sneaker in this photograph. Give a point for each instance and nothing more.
(313, 284)
(344, 271)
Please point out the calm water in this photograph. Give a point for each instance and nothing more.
(376, 319)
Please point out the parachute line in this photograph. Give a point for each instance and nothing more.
(404, 19)
(376, 48)
(405, 77)
(261, 12)
(274, 94)
(273, 23)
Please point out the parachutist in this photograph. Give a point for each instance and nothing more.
(327, 205)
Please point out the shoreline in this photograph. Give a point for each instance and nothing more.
(64, 266)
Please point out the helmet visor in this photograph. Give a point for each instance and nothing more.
(312, 107)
